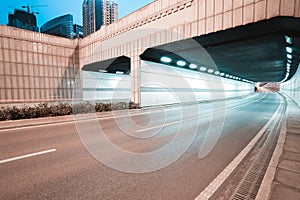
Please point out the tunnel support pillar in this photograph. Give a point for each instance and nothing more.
(135, 78)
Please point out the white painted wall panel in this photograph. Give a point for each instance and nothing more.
(105, 87)
(162, 84)
(292, 87)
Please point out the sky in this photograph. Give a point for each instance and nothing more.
(57, 8)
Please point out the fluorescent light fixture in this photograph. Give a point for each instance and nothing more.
(203, 69)
(230, 76)
(102, 70)
(289, 61)
(288, 39)
(286, 75)
(288, 65)
(227, 75)
(165, 59)
(181, 63)
(210, 71)
(289, 49)
(119, 72)
(193, 66)
(217, 72)
(222, 74)
(289, 56)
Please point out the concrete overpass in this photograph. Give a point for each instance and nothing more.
(241, 39)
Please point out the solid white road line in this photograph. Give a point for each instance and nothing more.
(27, 156)
(193, 118)
(209, 191)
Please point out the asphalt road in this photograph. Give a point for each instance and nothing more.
(71, 172)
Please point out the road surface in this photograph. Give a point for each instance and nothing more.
(66, 170)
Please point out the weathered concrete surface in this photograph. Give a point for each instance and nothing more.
(36, 67)
(280, 193)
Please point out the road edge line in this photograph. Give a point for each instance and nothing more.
(209, 191)
(266, 185)
(194, 118)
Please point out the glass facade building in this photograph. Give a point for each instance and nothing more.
(60, 26)
(78, 31)
(91, 16)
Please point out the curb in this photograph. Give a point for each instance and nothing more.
(43, 121)
(30, 123)
(6, 125)
(266, 185)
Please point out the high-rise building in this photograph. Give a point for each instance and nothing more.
(24, 20)
(63, 26)
(78, 30)
(59, 26)
(110, 12)
(95, 13)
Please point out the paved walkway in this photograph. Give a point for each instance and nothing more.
(286, 183)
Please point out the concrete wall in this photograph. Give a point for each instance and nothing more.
(36, 67)
(39, 67)
(172, 20)
(162, 84)
(292, 87)
(117, 39)
(206, 16)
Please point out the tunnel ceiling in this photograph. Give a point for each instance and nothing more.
(119, 64)
(256, 52)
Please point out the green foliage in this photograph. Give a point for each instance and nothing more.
(61, 109)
